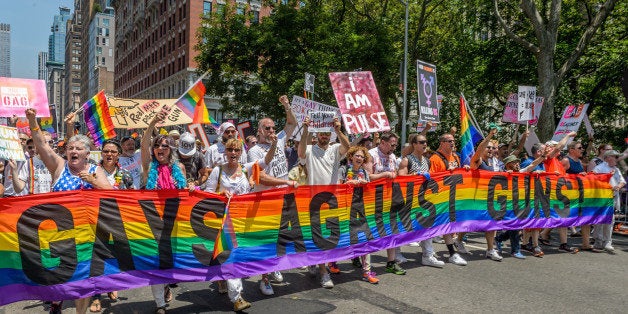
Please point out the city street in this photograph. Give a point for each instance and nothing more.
(558, 282)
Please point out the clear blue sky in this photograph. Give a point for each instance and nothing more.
(30, 26)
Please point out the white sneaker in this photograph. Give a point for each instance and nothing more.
(432, 261)
(492, 254)
(460, 247)
(456, 259)
(414, 244)
(313, 270)
(609, 248)
(400, 259)
(276, 276)
(439, 240)
(326, 282)
(265, 287)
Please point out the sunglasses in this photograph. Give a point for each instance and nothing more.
(359, 156)
(51, 142)
(237, 150)
(269, 127)
(420, 142)
(162, 146)
(230, 131)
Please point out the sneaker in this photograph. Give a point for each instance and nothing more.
(160, 310)
(565, 248)
(393, 267)
(265, 287)
(438, 240)
(313, 270)
(326, 282)
(370, 277)
(333, 268)
(414, 244)
(55, 308)
(222, 286)
(493, 255)
(240, 304)
(276, 276)
(538, 252)
(456, 259)
(460, 247)
(609, 248)
(356, 262)
(498, 245)
(432, 261)
(518, 255)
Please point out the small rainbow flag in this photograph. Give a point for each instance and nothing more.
(470, 134)
(190, 100)
(98, 119)
(201, 115)
(226, 239)
(46, 125)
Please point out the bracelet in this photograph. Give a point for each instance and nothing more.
(35, 129)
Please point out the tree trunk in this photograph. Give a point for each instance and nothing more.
(548, 83)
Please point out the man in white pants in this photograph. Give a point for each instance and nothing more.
(603, 232)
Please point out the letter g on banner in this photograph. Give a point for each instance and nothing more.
(63, 252)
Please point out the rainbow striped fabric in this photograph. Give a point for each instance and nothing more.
(46, 125)
(189, 101)
(98, 119)
(74, 244)
(226, 239)
(469, 134)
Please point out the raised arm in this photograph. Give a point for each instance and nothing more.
(476, 160)
(291, 120)
(561, 144)
(304, 137)
(53, 162)
(428, 126)
(344, 141)
(69, 125)
(533, 165)
(18, 185)
(270, 154)
(145, 144)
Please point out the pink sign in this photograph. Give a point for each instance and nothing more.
(510, 110)
(359, 103)
(16, 95)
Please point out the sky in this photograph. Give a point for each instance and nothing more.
(30, 27)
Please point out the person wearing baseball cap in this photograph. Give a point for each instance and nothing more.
(602, 233)
(195, 167)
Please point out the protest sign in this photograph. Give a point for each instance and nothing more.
(426, 90)
(302, 107)
(530, 141)
(510, 110)
(66, 245)
(95, 155)
(200, 134)
(525, 103)
(359, 102)
(322, 121)
(10, 146)
(570, 121)
(587, 125)
(308, 86)
(17, 95)
(137, 113)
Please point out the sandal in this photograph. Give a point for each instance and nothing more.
(591, 249)
(113, 295)
(544, 242)
(95, 306)
(565, 248)
(167, 294)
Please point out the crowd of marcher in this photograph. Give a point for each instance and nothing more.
(180, 161)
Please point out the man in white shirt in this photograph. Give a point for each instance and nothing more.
(215, 155)
(130, 160)
(322, 161)
(603, 232)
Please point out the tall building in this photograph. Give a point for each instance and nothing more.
(56, 40)
(42, 70)
(5, 50)
(155, 42)
(73, 56)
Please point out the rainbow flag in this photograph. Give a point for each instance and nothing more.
(46, 125)
(201, 115)
(191, 99)
(469, 133)
(226, 239)
(98, 119)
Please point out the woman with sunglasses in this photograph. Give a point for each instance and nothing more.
(162, 171)
(120, 179)
(230, 179)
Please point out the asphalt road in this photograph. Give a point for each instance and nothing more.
(557, 283)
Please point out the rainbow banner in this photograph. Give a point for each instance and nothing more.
(75, 244)
(98, 118)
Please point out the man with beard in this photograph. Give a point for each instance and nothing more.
(130, 160)
(323, 161)
(215, 155)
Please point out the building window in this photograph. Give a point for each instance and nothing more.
(207, 6)
(105, 22)
(255, 19)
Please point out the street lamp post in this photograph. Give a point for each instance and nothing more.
(405, 76)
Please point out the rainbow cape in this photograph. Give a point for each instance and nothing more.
(98, 119)
(469, 134)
